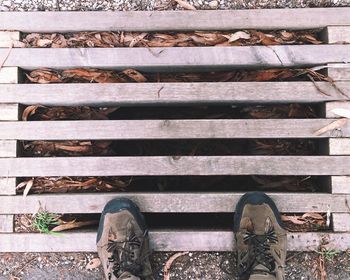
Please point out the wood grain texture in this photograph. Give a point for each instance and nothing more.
(169, 129)
(174, 20)
(175, 165)
(330, 106)
(190, 58)
(341, 222)
(339, 146)
(8, 75)
(6, 223)
(169, 202)
(339, 72)
(8, 112)
(7, 38)
(7, 186)
(8, 148)
(340, 184)
(338, 34)
(170, 93)
(162, 240)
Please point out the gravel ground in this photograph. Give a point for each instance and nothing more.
(123, 5)
(193, 266)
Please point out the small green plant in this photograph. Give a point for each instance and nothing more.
(44, 220)
(328, 254)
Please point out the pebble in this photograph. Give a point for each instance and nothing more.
(150, 5)
(213, 4)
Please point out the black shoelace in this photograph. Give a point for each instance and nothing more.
(123, 255)
(259, 252)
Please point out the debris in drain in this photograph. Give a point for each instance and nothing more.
(74, 184)
(43, 113)
(305, 222)
(84, 75)
(168, 39)
(52, 223)
(64, 148)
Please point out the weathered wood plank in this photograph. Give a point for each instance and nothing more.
(339, 72)
(330, 106)
(338, 34)
(8, 112)
(8, 37)
(170, 93)
(341, 222)
(174, 20)
(339, 146)
(8, 75)
(169, 202)
(6, 223)
(340, 184)
(175, 165)
(8, 148)
(168, 129)
(7, 186)
(162, 240)
(191, 58)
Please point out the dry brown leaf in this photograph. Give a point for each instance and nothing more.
(239, 35)
(44, 42)
(167, 266)
(315, 216)
(293, 219)
(332, 126)
(185, 5)
(94, 263)
(72, 225)
(29, 111)
(29, 185)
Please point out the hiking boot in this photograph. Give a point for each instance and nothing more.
(122, 242)
(260, 238)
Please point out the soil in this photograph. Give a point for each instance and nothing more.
(196, 265)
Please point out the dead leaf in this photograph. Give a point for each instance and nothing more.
(315, 216)
(185, 5)
(29, 185)
(239, 35)
(293, 219)
(44, 42)
(72, 225)
(29, 111)
(167, 266)
(94, 263)
(332, 126)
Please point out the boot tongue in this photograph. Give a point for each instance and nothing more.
(261, 272)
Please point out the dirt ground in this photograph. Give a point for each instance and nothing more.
(196, 265)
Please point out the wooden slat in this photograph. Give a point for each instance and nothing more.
(338, 34)
(335, 105)
(174, 20)
(8, 75)
(8, 112)
(8, 37)
(339, 72)
(6, 223)
(340, 184)
(170, 93)
(175, 165)
(169, 202)
(191, 58)
(164, 240)
(167, 129)
(8, 148)
(339, 146)
(341, 222)
(7, 186)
